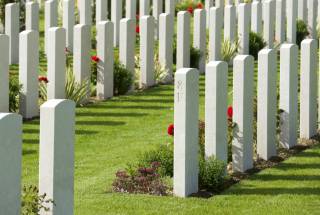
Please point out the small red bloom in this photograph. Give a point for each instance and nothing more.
(230, 112)
(95, 58)
(43, 79)
(137, 29)
(171, 130)
(190, 10)
(200, 5)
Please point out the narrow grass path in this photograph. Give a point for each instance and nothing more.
(111, 134)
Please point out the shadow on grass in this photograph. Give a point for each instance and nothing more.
(102, 123)
(277, 191)
(28, 152)
(108, 114)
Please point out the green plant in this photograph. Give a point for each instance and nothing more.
(188, 5)
(302, 31)
(162, 154)
(123, 79)
(75, 91)
(229, 50)
(212, 173)
(14, 91)
(32, 202)
(256, 43)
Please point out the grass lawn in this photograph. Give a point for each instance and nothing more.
(111, 134)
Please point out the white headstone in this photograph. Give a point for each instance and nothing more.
(170, 7)
(244, 27)
(28, 74)
(166, 44)
(32, 16)
(186, 111)
(280, 21)
(85, 12)
(243, 88)
(216, 96)
(12, 28)
(291, 20)
(256, 17)
(312, 18)
(157, 9)
(215, 23)
(127, 44)
(144, 8)
(51, 19)
(289, 95)
(101, 11)
(56, 155)
(208, 5)
(267, 104)
(269, 22)
(56, 63)
(105, 64)
(302, 10)
(131, 8)
(230, 18)
(183, 40)
(4, 73)
(81, 55)
(116, 15)
(308, 89)
(147, 78)
(10, 165)
(68, 22)
(200, 37)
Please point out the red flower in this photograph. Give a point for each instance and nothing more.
(190, 10)
(137, 29)
(43, 79)
(230, 112)
(200, 5)
(171, 130)
(95, 58)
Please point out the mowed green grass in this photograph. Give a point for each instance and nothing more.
(113, 133)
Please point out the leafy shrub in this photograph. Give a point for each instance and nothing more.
(123, 79)
(162, 154)
(32, 203)
(212, 173)
(256, 43)
(144, 180)
(14, 91)
(302, 31)
(229, 50)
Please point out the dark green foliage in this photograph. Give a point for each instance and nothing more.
(123, 79)
(302, 32)
(143, 180)
(162, 154)
(14, 90)
(211, 174)
(256, 43)
(31, 202)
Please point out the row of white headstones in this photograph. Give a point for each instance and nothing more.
(55, 124)
(57, 38)
(186, 105)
